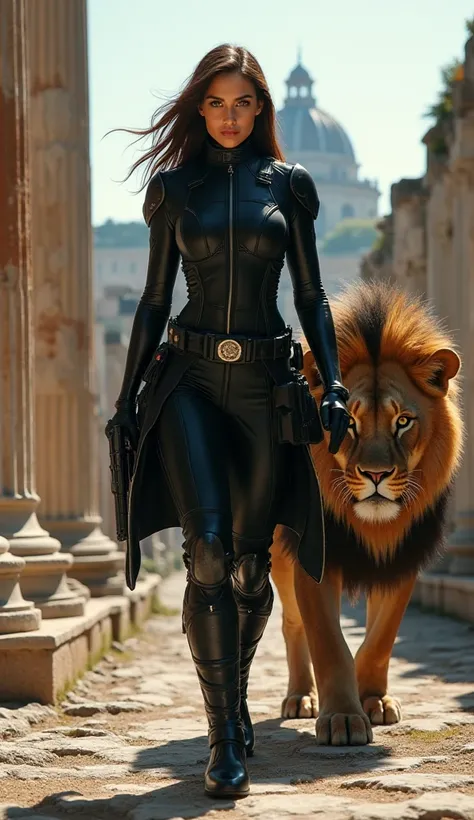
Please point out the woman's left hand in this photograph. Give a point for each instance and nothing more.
(334, 417)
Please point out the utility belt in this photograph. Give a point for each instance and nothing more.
(215, 347)
(296, 414)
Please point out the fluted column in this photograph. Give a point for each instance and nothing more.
(18, 499)
(378, 262)
(439, 226)
(66, 415)
(461, 166)
(409, 248)
(439, 266)
(461, 545)
(439, 285)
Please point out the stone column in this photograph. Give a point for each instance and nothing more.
(461, 545)
(66, 414)
(461, 275)
(439, 263)
(378, 263)
(439, 227)
(409, 249)
(439, 285)
(18, 498)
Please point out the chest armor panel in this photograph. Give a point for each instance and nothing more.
(258, 225)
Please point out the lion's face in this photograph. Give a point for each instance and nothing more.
(401, 450)
(391, 427)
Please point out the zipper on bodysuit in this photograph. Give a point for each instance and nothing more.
(228, 367)
(230, 170)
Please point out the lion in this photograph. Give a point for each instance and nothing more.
(385, 499)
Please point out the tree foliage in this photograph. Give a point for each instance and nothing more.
(442, 110)
(350, 236)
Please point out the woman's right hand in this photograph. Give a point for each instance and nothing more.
(126, 417)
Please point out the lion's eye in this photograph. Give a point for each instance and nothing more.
(403, 423)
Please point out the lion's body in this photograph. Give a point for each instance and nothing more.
(383, 338)
(384, 493)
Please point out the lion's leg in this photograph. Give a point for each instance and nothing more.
(341, 720)
(301, 700)
(385, 610)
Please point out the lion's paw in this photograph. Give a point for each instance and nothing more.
(341, 729)
(382, 711)
(300, 706)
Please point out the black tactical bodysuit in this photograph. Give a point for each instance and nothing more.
(231, 216)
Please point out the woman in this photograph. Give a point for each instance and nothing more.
(208, 457)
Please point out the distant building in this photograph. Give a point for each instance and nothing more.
(316, 140)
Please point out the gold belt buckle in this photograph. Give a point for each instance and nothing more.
(229, 350)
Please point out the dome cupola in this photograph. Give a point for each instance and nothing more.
(304, 126)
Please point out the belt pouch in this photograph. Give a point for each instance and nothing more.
(296, 412)
(150, 377)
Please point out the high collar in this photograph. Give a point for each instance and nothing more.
(218, 155)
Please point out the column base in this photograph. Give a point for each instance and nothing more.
(97, 562)
(441, 565)
(44, 581)
(77, 588)
(20, 526)
(16, 614)
(461, 546)
(461, 565)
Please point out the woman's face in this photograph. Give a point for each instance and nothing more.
(229, 107)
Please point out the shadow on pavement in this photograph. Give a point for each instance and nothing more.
(284, 756)
(433, 645)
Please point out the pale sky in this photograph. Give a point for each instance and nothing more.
(376, 67)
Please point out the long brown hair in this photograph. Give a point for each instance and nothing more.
(178, 130)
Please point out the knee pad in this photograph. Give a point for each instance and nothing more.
(251, 572)
(207, 561)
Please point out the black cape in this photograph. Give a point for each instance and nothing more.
(151, 507)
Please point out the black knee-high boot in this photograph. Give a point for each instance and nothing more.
(254, 597)
(210, 620)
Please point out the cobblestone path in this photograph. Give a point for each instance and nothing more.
(130, 740)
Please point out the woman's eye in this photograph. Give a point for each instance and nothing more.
(217, 103)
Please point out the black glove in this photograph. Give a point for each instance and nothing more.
(126, 417)
(335, 416)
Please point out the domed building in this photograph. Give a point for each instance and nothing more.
(313, 137)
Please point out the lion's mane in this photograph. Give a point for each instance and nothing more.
(377, 323)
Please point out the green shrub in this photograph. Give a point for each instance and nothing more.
(350, 236)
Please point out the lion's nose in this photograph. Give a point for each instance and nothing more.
(377, 475)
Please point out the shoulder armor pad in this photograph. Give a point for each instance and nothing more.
(283, 166)
(304, 189)
(155, 194)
